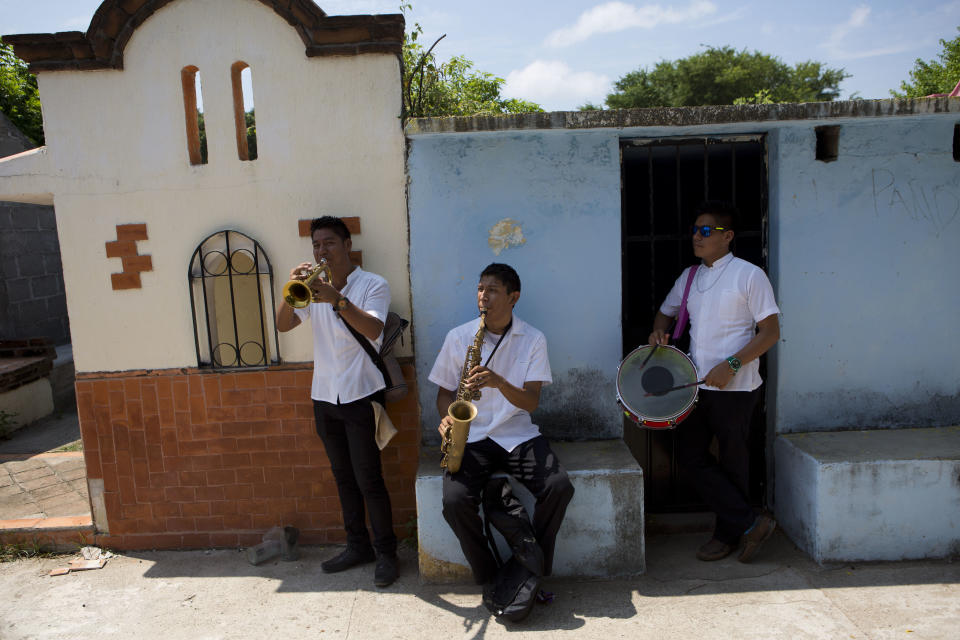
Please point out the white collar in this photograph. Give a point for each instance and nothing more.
(719, 262)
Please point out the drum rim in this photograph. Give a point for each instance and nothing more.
(673, 416)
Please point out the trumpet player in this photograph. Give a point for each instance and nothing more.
(513, 368)
(345, 384)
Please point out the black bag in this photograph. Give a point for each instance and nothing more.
(386, 363)
(514, 591)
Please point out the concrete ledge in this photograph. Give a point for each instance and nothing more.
(28, 403)
(870, 495)
(602, 534)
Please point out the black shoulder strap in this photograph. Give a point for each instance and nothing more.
(377, 360)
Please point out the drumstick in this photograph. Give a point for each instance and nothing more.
(666, 391)
(649, 355)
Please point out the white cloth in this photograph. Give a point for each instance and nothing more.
(726, 302)
(342, 370)
(521, 357)
(385, 428)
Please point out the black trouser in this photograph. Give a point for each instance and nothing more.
(723, 484)
(536, 467)
(347, 432)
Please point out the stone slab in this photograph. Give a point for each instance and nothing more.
(870, 495)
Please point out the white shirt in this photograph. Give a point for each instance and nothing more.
(725, 303)
(342, 370)
(521, 357)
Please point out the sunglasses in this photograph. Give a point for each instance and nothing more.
(706, 230)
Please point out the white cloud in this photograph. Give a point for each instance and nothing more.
(555, 85)
(840, 33)
(842, 42)
(618, 16)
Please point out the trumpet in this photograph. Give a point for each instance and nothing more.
(297, 293)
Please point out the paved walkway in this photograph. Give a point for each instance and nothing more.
(46, 485)
(38, 487)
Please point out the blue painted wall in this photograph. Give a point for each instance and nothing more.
(863, 257)
(867, 265)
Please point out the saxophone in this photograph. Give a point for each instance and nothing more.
(463, 411)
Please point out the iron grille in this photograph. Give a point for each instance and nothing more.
(232, 328)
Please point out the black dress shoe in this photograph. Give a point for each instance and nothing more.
(386, 572)
(350, 557)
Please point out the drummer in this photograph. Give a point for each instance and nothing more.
(733, 321)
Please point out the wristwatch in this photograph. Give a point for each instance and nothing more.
(734, 363)
(340, 304)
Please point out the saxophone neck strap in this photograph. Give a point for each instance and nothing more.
(497, 346)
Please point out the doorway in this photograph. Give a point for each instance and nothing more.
(663, 180)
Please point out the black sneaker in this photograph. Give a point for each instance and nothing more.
(350, 557)
(386, 572)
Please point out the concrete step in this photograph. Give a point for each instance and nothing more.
(870, 495)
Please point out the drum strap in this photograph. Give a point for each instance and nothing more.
(683, 315)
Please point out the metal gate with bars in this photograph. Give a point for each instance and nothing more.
(663, 180)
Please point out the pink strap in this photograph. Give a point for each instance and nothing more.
(682, 316)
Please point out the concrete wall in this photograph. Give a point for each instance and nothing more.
(329, 142)
(861, 253)
(32, 299)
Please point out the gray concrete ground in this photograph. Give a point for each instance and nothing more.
(217, 594)
(44, 435)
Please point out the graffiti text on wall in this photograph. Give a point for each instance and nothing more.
(935, 204)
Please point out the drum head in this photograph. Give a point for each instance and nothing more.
(667, 367)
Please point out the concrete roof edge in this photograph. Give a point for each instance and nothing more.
(683, 116)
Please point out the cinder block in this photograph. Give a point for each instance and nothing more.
(870, 495)
(602, 535)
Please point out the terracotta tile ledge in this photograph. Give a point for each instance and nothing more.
(9, 457)
(47, 524)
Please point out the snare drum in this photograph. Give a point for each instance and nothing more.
(667, 367)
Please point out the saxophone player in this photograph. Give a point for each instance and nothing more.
(513, 368)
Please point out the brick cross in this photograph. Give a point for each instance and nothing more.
(125, 248)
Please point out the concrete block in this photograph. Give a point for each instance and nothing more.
(602, 534)
(31, 264)
(870, 495)
(29, 402)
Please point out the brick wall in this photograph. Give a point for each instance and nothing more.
(192, 458)
(32, 298)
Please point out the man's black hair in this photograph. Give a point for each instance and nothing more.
(725, 213)
(505, 274)
(333, 223)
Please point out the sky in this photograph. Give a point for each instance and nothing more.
(564, 53)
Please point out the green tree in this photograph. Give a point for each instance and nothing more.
(451, 88)
(933, 76)
(723, 75)
(18, 95)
